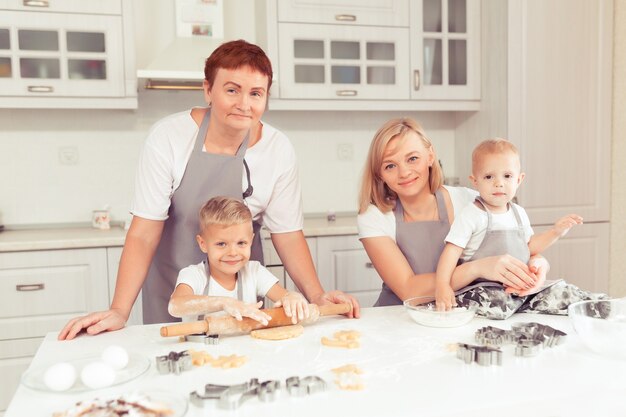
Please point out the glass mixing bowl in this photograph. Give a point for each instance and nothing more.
(422, 310)
(601, 325)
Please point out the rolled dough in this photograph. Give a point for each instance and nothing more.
(278, 333)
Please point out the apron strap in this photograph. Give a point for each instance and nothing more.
(441, 207)
(518, 218)
(482, 203)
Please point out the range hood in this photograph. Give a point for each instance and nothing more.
(180, 65)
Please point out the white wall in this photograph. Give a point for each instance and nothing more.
(37, 189)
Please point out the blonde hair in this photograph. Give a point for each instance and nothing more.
(492, 146)
(373, 188)
(224, 211)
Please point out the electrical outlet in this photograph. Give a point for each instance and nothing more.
(68, 155)
(345, 152)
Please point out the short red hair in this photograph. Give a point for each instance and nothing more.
(236, 54)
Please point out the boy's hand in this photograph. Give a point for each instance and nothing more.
(444, 297)
(239, 309)
(562, 226)
(295, 306)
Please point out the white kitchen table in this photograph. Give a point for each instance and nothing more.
(409, 370)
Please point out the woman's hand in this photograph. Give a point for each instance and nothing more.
(295, 306)
(239, 309)
(540, 267)
(444, 297)
(508, 270)
(94, 323)
(339, 297)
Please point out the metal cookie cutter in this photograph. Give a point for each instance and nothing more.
(529, 338)
(208, 339)
(482, 355)
(174, 362)
(299, 387)
(230, 397)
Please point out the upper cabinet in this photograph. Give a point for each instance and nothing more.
(67, 54)
(375, 55)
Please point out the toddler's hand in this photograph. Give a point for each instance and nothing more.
(562, 226)
(239, 309)
(444, 297)
(295, 306)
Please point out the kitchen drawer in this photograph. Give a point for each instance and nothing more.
(13, 349)
(65, 6)
(354, 271)
(11, 371)
(43, 289)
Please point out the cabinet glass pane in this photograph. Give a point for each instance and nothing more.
(381, 75)
(308, 49)
(345, 74)
(5, 67)
(432, 16)
(40, 68)
(5, 40)
(344, 50)
(38, 40)
(457, 59)
(90, 69)
(384, 51)
(457, 16)
(310, 74)
(433, 74)
(85, 42)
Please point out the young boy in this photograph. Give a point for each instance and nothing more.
(227, 280)
(493, 225)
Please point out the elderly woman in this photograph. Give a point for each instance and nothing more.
(189, 157)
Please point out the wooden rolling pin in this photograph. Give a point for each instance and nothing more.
(224, 325)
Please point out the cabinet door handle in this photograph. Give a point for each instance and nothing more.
(345, 17)
(416, 80)
(346, 93)
(36, 3)
(369, 265)
(30, 287)
(40, 89)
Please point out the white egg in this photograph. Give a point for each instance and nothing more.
(116, 356)
(60, 377)
(97, 375)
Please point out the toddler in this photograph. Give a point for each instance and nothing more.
(227, 280)
(494, 225)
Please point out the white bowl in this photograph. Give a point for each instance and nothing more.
(601, 325)
(422, 311)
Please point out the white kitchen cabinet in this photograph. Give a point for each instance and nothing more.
(581, 257)
(274, 264)
(445, 49)
(356, 62)
(343, 264)
(113, 263)
(551, 96)
(417, 60)
(67, 54)
(345, 12)
(43, 290)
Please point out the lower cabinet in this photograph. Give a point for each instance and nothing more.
(113, 264)
(42, 291)
(581, 257)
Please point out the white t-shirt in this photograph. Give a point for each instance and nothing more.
(276, 201)
(254, 277)
(375, 223)
(469, 228)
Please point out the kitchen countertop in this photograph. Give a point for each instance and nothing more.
(87, 237)
(408, 370)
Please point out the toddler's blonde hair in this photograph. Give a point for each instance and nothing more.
(224, 211)
(492, 146)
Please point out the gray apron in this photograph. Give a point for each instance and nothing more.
(421, 243)
(238, 284)
(207, 175)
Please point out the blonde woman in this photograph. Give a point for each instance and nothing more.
(405, 213)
